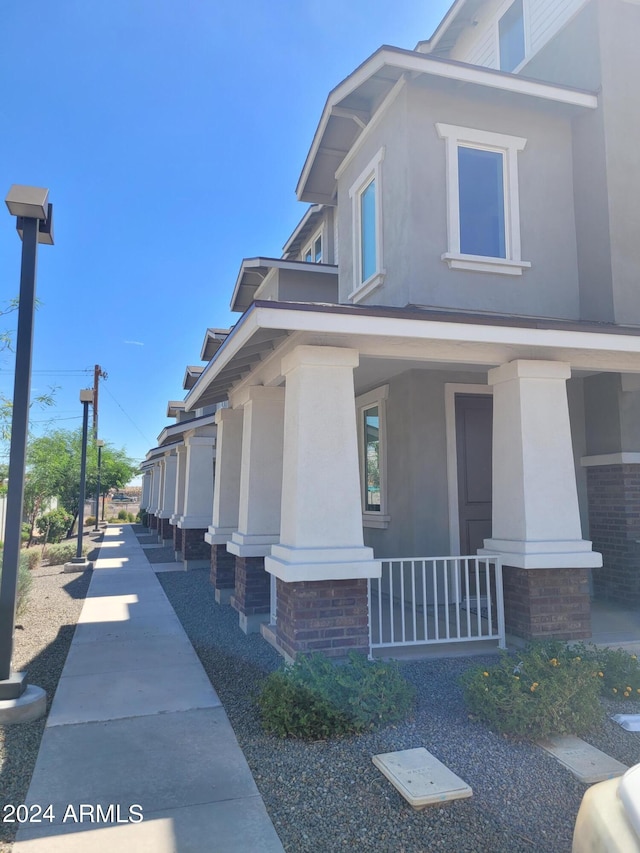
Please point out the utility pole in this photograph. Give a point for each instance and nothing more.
(98, 373)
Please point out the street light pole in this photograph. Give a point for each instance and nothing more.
(80, 563)
(34, 224)
(100, 445)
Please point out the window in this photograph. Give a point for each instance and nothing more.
(511, 37)
(367, 230)
(313, 251)
(372, 444)
(482, 200)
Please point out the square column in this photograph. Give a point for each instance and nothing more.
(536, 519)
(321, 546)
(198, 500)
(181, 479)
(226, 500)
(146, 486)
(167, 501)
(259, 503)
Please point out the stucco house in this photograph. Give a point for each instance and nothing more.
(432, 397)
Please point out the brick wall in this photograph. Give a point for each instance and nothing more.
(194, 546)
(177, 538)
(327, 616)
(252, 586)
(547, 603)
(164, 528)
(614, 524)
(223, 568)
(153, 522)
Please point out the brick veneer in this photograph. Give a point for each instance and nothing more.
(327, 616)
(614, 525)
(177, 539)
(547, 603)
(153, 522)
(194, 547)
(252, 586)
(164, 529)
(223, 571)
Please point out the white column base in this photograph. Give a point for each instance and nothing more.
(165, 513)
(251, 544)
(193, 522)
(552, 554)
(219, 535)
(322, 564)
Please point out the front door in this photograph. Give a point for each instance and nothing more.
(474, 423)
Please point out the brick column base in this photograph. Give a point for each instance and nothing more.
(547, 604)
(223, 573)
(177, 541)
(252, 597)
(614, 527)
(326, 616)
(195, 551)
(164, 530)
(153, 522)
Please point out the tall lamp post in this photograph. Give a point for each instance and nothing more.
(99, 445)
(34, 224)
(79, 563)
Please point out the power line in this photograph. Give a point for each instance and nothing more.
(146, 437)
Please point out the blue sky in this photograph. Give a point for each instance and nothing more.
(171, 134)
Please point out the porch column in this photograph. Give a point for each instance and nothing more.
(198, 499)
(321, 563)
(181, 479)
(155, 497)
(259, 503)
(146, 483)
(536, 520)
(226, 499)
(165, 533)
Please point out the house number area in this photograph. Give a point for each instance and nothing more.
(73, 813)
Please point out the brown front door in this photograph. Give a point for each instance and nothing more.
(474, 422)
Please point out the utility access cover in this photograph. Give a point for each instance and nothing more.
(587, 763)
(420, 777)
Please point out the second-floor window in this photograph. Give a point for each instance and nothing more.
(367, 229)
(313, 252)
(481, 199)
(511, 37)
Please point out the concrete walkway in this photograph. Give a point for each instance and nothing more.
(136, 729)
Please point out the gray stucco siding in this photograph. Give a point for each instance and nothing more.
(414, 208)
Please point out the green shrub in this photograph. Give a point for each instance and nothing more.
(618, 671)
(63, 552)
(131, 517)
(54, 524)
(25, 532)
(122, 515)
(24, 582)
(34, 557)
(314, 698)
(548, 689)
(90, 520)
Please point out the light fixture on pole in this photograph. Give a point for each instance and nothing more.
(34, 223)
(79, 563)
(99, 445)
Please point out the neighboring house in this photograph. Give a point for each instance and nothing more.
(446, 359)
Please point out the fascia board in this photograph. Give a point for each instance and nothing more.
(461, 72)
(446, 22)
(313, 210)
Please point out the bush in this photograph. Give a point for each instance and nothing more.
(54, 524)
(131, 517)
(123, 515)
(33, 556)
(63, 552)
(25, 532)
(618, 671)
(89, 520)
(24, 582)
(548, 689)
(314, 698)
(143, 518)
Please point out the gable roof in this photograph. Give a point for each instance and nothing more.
(351, 107)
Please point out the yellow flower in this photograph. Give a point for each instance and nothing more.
(628, 688)
(534, 686)
(486, 674)
(614, 689)
(626, 694)
(517, 678)
(634, 657)
(601, 674)
(578, 658)
(638, 690)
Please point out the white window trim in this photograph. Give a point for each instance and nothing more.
(508, 146)
(372, 172)
(309, 245)
(527, 42)
(376, 397)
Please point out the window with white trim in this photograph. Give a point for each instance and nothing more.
(312, 253)
(372, 441)
(482, 200)
(511, 42)
(365, 196)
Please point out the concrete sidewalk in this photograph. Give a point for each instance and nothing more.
(136, 729)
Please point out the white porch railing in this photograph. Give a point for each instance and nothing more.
(429, 600)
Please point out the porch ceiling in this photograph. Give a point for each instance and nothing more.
(391, 341)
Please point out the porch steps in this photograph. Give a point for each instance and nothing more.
(421, 778)
(587, 763)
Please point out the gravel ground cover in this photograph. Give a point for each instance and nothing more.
(166, 554)
(328, 796)
(42, 639)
